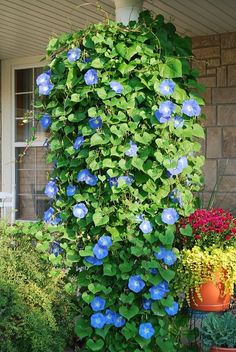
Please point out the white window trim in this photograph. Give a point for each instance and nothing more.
(8, 67)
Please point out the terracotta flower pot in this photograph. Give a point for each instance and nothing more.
(214, 298)
(222, 349)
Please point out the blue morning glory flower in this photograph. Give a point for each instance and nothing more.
(191, 108)
(95, 122)
(110, 317)
(45, 89)
(175, 196)
(43, 79)
(127, 179)
(147, 304)
(82, 175)
(98, 304)
(45, 121)
(56, 249)
(87, 59)
(78, 142)
(132, 151)
(51, 189)
(73, 54)
(86, 176)
(146, 226)
(173, 172)
(48, 214)
(94, 261)
(178, 122)
(80, 210)
(70, 190)
(173, 310)
(91, 180)
(153, 271)
(97, 320)
(146, 330)
(164, 286)
(169, 258)
(167, 87)
(160, 254)
(116, 87)
(166, 108)
(91, 77)
(100, 252)
(56, 220)
(105, 241)
(157, 292)
(160, 117)
(181, 164)
(136, 284)
(140, 218)
(113, 181)
(169, 216)
(119, 321)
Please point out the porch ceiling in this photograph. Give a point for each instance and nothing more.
(27, 25)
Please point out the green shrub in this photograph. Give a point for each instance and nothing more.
(36, 314)
(219, 330)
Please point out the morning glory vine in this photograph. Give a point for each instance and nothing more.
(124, 117)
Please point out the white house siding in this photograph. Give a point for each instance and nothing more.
(27, 25)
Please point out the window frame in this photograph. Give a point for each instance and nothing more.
(8, 144)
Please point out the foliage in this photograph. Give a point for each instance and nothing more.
(119, 158)
(36, 315)
(205, 228)
(218, 330)
(197, 266)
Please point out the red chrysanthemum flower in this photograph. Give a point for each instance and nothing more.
(209, 226)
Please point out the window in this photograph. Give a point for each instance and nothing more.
(31, 169)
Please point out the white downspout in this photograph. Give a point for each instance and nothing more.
(128, 10)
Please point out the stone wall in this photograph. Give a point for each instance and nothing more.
(215, 57)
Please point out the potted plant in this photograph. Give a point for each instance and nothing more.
(206, 273)
(218, 332)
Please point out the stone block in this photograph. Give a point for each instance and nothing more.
(203, 147)
(205, 53)
(200, 66)
(224, 95)
(229, 142)
(228, 40)
(207, 81)
(226, 115)
(227, 167)
(228, 56)
(227, 184)
(206, 95)
(213, 62)
(205, 198)
(210, 112)
(222, 76)
(210, 174)
(211, 71)
(213, 142)
(205, 40)
(223, 200)
(232, 75)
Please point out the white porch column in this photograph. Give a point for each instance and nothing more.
(128, 10)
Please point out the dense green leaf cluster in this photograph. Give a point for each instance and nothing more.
(139, 57)
(36, 314)
(219, 331)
